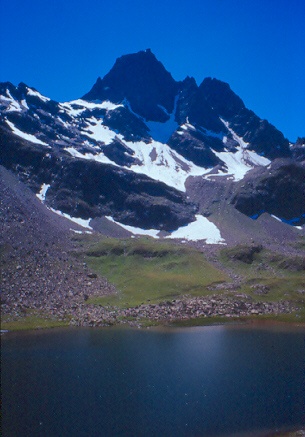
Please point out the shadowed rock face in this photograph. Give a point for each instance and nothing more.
(298, 150)
(264, 138)
(196, 147)
(143, 81)
(278, 190)
(90, 189)
(194, 106)
(219, 95)
(128, 124)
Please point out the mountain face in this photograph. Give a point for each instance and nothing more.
(127, 149)
(142, 81)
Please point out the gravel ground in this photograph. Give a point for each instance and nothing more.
(38, 267)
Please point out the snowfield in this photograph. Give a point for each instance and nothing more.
(200, 229)
(159, 161)
(26, 136)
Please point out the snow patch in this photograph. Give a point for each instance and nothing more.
(257, 159)
(100, 157)
(134, 230)
(13, 105)
(73, 112)
(238, 139)
(200, 229)
(98, 132)
(82, 105)
(240, 162)
(24, 104)
(80, 232)
(163, 164)
(237, 167)
(43, 191)
(109, 106)
(186, 126)
(26, 136)
(288, 222)
(77, 220)
(67, 125)
(31, 92)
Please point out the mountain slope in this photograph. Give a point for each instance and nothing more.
(38, 268)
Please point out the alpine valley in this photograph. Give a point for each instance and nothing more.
(175, 183)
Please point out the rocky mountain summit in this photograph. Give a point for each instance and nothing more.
(142, 81)
(133, 148)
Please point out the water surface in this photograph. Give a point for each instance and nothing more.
(209, 381)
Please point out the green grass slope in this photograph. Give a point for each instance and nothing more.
(144, 270)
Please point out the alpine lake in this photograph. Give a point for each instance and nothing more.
(225, 380)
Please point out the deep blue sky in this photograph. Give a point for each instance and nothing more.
(60, 47)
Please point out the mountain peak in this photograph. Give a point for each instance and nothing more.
(221, 97)
(143, 81)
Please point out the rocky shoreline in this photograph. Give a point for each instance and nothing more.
(178, 310)
(175, 311)
(75, 311)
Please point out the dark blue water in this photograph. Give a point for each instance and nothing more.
(209, 381)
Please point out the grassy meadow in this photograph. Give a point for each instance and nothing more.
(149, 271)
(144, 270)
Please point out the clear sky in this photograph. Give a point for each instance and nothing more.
(60, 47)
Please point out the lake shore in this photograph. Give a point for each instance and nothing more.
(212, 310)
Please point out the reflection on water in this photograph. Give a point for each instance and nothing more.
(209, 381)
